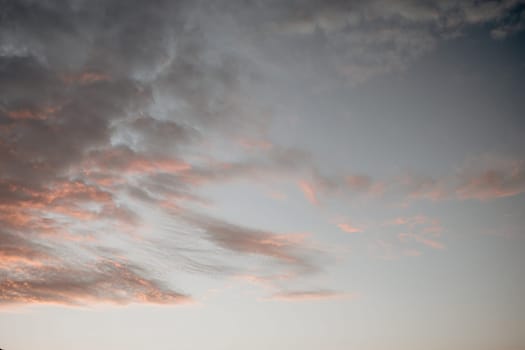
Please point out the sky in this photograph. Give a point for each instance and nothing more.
(272, 174)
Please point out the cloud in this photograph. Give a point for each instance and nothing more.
(413, 221)
(112, 110)
(342, 184)
(348, 228)
(309, 295)
(364, 39)
(278, 196)
(36, 271)
(125, 160)
(289, 249)
(15, 251)
(505, 179)
(421, 229)
(104, 282)
(80, 124)
(421, 239)
(267, 281)
(481, 178)
(156, 136)
(407, 237)
(309, 192)
(254, 144)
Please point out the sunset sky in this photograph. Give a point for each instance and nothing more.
(249, 174)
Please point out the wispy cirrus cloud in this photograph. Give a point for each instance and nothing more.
(309, 192)
(505, 180)
(289, 249)
(37, 270)
(420, 229)
(310, 295)
(15, 251)
(421, 239)
(103, 282)
(348, 228)
(481, 178)
(407, 236)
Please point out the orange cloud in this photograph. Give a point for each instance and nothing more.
(74, 190)
(53, 211)
(106, 282)
(125, 160)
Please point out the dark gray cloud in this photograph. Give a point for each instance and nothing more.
(357, 40)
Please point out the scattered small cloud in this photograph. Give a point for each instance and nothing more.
(309, 192)
(348, 228)
(310, 295)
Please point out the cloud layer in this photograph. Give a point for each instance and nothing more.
(112, 111)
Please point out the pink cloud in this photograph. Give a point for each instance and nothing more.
(412, 252)
(429, 242)
(16, 251)
(279, 196)
(425, 223)
(266, 281)
(32, 114)
(348, 228)
(290, 249)
(85, 78)
(309, 295)
(384, 250)
(309, 191)
(359, 182)
(105, 282)
(494, 183)
(251, 144)
(481, 178)
(125, 160)
(432, 243)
